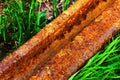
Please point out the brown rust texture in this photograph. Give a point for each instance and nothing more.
(84, 45)
(25, 61)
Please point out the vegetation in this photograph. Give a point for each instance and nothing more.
(105, 65)
(21, 20)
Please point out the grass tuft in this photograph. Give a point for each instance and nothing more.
(21, 20)
(66, 3)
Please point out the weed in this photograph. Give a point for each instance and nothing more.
(21, 20)
(55, 9)
(66, 3)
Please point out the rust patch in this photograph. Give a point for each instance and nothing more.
(73, 55)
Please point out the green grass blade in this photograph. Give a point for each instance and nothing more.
(55, 9)
(20, 30)
(66, 3)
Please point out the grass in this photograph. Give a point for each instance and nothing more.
(66, 4)
(55, 9)
(105, 65)
(21, 22)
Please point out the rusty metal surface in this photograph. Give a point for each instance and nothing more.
(85, 45)
(29, 58)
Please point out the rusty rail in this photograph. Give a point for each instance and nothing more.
(56, 42)
(83, 46)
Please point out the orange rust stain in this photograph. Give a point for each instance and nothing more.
(84, 45)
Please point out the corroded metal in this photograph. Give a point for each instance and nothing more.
(29, 58)
(84, 45)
